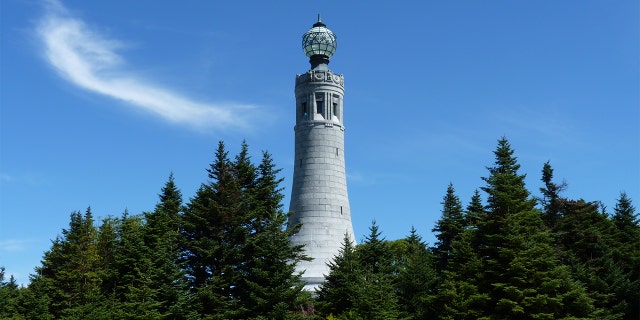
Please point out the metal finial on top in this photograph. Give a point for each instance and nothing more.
(319, 23)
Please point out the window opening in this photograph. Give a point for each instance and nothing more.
(319, 104)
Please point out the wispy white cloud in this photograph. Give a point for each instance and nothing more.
(13, 245)
(90, 60)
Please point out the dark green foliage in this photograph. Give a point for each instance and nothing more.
(587, 243)
(378, 298)
(226, 255)
(417, 278)
(626, 254)
(339, 293)
(69, 276)
(161, 236)
(474, 212)
(211, 242)
(449, 227)
(269, 285)
(9, 297)
(505, 187)
(238, 258)
(360, 284)
(520, 272)
(551, 200)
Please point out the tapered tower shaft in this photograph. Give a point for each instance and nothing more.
(319, 199)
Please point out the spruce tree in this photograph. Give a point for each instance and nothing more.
(551, 200)
(270, 287)
(378, 296)
(520, 272)
(449, 227)
(339, 292)
(9, 296)
(416, 278)
(626, 253)
(474, 212)
(135, 289)
(69, 276)
(236, 249)
(161, 236)
(210, 238)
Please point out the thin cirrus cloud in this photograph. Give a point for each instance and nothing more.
(89, 60)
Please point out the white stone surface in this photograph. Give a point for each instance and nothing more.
(319, 198)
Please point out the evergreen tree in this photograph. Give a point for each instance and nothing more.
(520, 272)
(416, 278)
(69, 276)
(457, 295)
(161, 236)
(474, 212)
(211, 236)
(9, 297)
(626, 253)
(236, 248)
(377, 298)
(551, 200)
(339, 292)
(449, 227)
(269, 287)
(135, 289)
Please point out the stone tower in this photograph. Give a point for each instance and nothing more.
(319, 199)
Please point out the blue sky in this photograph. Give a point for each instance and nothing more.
(101, 101)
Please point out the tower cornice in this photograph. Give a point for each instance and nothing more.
(320, 76)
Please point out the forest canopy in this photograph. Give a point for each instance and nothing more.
(224, 253)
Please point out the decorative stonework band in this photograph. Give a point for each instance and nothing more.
(320, 76)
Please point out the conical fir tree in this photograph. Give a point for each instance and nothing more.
(416, 277)
(378, 297)
(474, 212)
(449, 227)
(161, 236)
(270, 286)
(236, 248)
(210, 239)
(339, 293)
(69, 274)
(521, 274)
(626, 252)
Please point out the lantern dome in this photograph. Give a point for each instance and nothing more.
(319, 41)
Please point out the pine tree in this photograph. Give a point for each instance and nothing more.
(449, 227)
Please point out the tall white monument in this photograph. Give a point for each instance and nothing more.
(319, 199)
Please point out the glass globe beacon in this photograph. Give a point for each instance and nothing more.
(319, 41)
